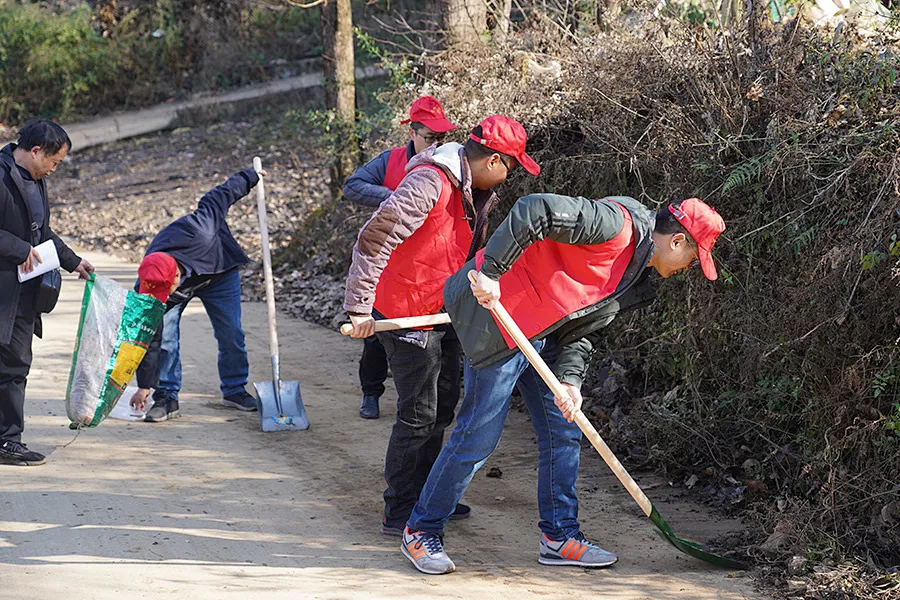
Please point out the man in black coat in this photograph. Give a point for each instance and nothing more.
(208, 259)
(25, 223)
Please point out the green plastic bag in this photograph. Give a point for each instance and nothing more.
(114, 332)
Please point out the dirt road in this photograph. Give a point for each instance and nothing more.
(208, 506)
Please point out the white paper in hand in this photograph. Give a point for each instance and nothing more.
(123, 409)
(49, 261)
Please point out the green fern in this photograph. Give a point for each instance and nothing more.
(802, 240)
(744, 174)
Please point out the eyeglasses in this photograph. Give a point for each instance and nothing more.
(696, 260)
(432, 138)
(508, 168)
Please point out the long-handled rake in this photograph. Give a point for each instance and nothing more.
(665, 531)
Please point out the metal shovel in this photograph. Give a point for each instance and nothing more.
(279, 402)
(664, 530)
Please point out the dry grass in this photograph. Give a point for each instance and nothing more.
(787, 372)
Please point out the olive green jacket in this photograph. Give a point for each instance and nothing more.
(567, 220)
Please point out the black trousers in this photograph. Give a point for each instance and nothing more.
(427, 381)
(373, 367)
(15, 362)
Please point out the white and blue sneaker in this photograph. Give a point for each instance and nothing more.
(576, 551)
(426, 552)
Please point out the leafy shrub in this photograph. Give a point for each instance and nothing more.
(50, 64)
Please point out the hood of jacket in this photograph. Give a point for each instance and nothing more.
(451, 159)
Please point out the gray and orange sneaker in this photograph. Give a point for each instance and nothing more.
(426, 552)
(576, 551)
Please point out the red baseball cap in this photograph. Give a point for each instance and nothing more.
(704, 224)
(507, 136)
(429, 112)
(157, 272)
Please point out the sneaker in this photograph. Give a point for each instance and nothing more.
(426, 552)
(369, 407)
(462, 511)
(392, 530)
(16, 453)
(576, 551)
(163, 409)
(241, 401)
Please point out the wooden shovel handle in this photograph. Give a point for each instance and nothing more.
(267, 267)
(560, 392)
(403, 323)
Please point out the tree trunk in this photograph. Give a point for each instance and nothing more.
(586, 12)
(464, 21)
(729, 12)
(340, 81)
(503, 9)
(607, 13)
(340, 86)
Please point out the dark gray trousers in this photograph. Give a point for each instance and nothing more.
(15, 362)
(427, 381)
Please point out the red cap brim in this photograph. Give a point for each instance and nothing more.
(436, 125)
(528, 164)
(707, 263)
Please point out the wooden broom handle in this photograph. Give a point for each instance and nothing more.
(403, 323)
(560, 392)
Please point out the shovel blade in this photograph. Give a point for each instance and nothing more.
(692, 548)
(291, 417)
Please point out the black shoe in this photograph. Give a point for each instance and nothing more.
(369, 410)
(241, 401)
(392, 530)
(462, 512)
(163, 409)
(16, 453)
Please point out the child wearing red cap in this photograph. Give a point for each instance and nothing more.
(431, 224)
(370, 185)
(565, 267)
(158, 276)
(200, 252)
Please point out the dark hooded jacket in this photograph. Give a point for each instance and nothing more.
(201, 241)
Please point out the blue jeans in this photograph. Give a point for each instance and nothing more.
(479, 425)
(222, 301)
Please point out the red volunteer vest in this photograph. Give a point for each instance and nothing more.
(551, 280)
(396, 168)
(412, 283)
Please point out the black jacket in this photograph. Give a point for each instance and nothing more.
(204, 247)
(16, 240)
